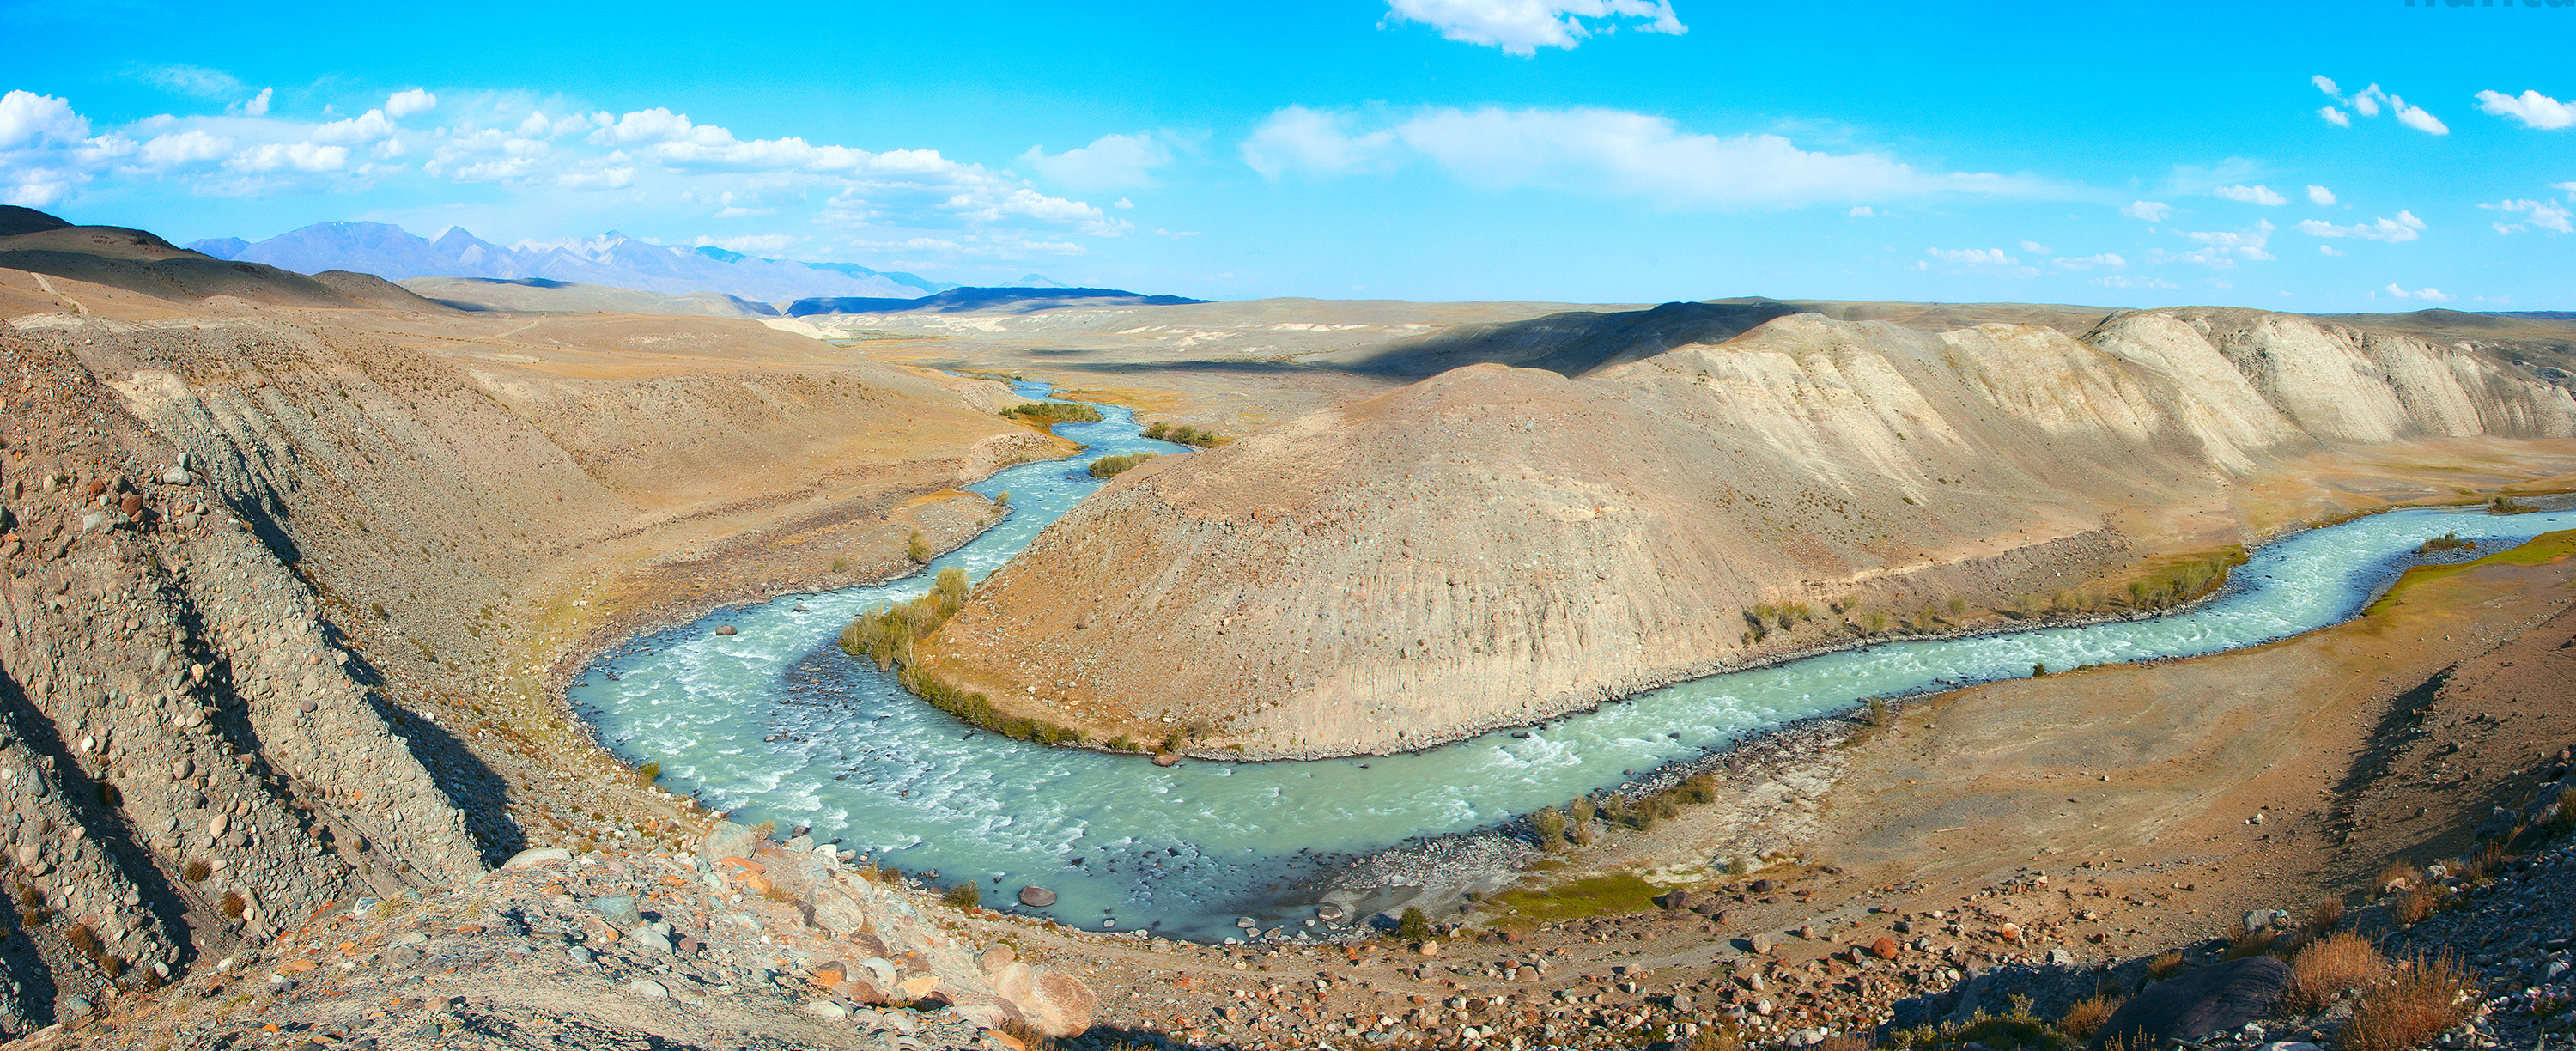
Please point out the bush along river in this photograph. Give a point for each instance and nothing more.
(776, 723)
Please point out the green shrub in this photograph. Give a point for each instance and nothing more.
(2446, 542)
(2506, 505)
(1183, 435)
(1113, 466)
(1413, 924)
(1050, 413)
(1549, 823)
(918, 550)
(963, 894)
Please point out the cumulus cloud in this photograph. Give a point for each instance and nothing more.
(2034, 248)
(2262, 195)
(2368, 101)
(402, 104)
(550, 158)
(1986, 256)
(1596, 150)
(2320, 195)
(2547, 215)
(1860, 211)
(2151, 211)
(2405, 227)
(256, 105)
(1111, 162)
(2332, 251)
(28, 119)
(2221, 249)
(2087, 262)
(2427, 293)
(1521, 27)
(2532, 108)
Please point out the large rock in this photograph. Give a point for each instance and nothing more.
(726, 840)
(1036, 897)
(1058, 1004)
(2197, 1003)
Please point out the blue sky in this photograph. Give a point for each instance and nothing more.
(1577, 150)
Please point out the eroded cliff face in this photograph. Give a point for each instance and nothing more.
(1494, 545)
(264, 574)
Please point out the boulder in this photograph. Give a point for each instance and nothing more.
(1674, 900)
(726, 840)
(1036, 897)
(536, 856)
(1884, 948)
(2197, 1003)
(724, 629)
(1058, 1004)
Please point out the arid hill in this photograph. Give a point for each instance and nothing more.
(1494, 545)
(291, 563)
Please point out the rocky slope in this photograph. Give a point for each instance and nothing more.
(283, 587)
(1494, 546)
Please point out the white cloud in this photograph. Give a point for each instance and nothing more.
(2417, 119)
(1971, 256)
(2125, 281)
(290, 156)
(402, 104)
(2427, 293)
(2088, 262)
(1860, 211)
(1584, 149)
(2332, 251)
(2034, 248)
(367, 127)
(1521, 27)
(2532, 108)
(2222, 249)
(28, 119)
(2151, 211)
(194, 80)
(1111, 162)
(2262, 195)
(2320, 195)
(256, 105)
(2547, 215)
(2406, 227)
(2367, 102)
(193, 146)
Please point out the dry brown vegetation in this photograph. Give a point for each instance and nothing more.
(2339, 961)
(2418, 1002)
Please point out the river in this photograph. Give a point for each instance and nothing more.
(775, 723)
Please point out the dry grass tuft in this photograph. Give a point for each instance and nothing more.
(2326, 916)
(1028, 1036)
(2251, 943)
(2339, 961)
(2420, 1001)
(1846, 1042)
(1717, 1037)
(2417, 904)
(2164, 966)
(2086, 1017)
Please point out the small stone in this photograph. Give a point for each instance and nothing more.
(1428, 948)
(618, 910)
(1884, 948)
(824, 1009)
(647, 989)
(2060, 957)
(724, 629)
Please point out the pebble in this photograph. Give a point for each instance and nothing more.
(647, 989)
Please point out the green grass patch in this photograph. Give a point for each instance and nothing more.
(1614, 894)
(2539, 550)
(1049, 413)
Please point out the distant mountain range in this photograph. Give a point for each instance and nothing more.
(612, 259)
(954, 300)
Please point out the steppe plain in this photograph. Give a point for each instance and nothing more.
(396, 522)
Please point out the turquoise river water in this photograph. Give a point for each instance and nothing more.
(775, 723)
